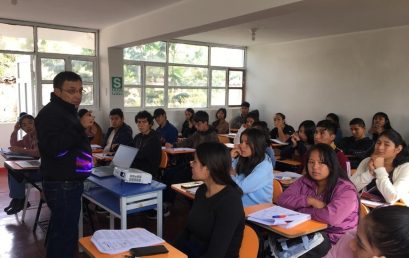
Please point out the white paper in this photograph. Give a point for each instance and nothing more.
(229, 145)
(118, 241)
(373, 204)
(192, 190)
(291, 219)
(96, 146)
(286, 175)
(279, 142)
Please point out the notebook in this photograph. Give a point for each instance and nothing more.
(7, 154)
(28, 163)
(123, 158)
(279, 216)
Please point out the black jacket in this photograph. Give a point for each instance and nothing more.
(64, 146)
(149, 154)
(122, 136)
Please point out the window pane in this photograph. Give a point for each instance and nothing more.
(46, 90)
(183, 98)
(218, 78)
(51, 67)
(155, 75)
(88, 95)
(16, 37)
(66, 42)
(8, 97)
(188, 54)
(85, 69)
(132, 74)
(235, 97)
(154, 97)
(132, 97)
(187, 76)
(236, 79)
(218, 97)
(227, 57)
(153, 52)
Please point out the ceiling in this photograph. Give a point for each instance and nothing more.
(307, 19)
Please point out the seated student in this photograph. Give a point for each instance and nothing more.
(221, 125)
(326, 193)
(262, 125)
(382, 233)
(335, 119)
(281, 130)
(94, 132)
(28, 146)
(118, 133)
(238, 121)
(358, 145)
(166, 131)
(387, 168)
(380, 123)
(325, 133)
(188, 127)
(215, 224)
(148, 142)
(252, 116)
(301, 141)
(252, 169)
(204, 132)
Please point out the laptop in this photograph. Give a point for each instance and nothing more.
(123, 158)
(28, 163)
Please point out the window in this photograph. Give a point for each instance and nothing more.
(179, 75)
(16, 37)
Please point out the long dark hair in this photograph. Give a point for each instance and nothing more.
(217, 121)
(216, 157)
(385, 116)
(329, 158)
(257, 141)
(396, 138)
(333, 118)
(309, 130)
(387, 230)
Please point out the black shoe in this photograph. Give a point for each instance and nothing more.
(13, 203)
(17, 207)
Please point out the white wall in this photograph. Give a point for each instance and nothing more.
(353, 75)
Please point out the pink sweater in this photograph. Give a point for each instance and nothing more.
(341, 214)
(342, 248)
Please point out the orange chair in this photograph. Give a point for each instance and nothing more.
(164, 160)
(363, 210)
(223, 139)
(277, 190)
(249, 244)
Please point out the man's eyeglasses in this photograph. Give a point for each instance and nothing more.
(73, 91)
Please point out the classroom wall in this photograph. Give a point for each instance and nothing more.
(353, 75)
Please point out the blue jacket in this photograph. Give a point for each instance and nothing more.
(257, 187)
(168, 133)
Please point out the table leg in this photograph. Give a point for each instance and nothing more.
(122, 203)
(159, 216)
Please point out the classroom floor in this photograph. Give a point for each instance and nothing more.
(18, 240)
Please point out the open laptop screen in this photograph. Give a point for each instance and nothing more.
(124, 156)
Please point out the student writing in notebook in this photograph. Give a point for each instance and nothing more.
(326, 193)
(387, 168)
(28, 146)
(382, 233)
(215, 223)
(252, 168)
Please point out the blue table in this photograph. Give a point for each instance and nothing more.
(120, 198)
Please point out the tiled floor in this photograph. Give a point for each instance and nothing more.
(17, 239)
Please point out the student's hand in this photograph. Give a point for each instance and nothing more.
(16, 149)
(378, 161)
(315, 203)
(295, 138)
(168, 145)
(235, 152)
(371, 167)
(17, 126)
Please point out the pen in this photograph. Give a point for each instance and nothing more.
(282, 216)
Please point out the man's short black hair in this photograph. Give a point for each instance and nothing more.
(357, 121)
(144, 114)
(245, 104)
(159, 112)
(328, 125)
(60, 78)
(118, 112)
(201, 116)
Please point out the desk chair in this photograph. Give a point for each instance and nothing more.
(277, 190)
(164, 160)
(223, 138)
(363, 210)
(249, 244)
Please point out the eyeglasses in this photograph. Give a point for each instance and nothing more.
(73, 91)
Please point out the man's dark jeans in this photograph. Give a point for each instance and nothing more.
(64, 201)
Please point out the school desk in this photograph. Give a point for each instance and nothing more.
(302, 229)
(92, 251)
(177, 151)
(120, 199)
(178, 188)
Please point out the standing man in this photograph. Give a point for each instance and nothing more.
(237, 121)
(167, 131)
(66, 161)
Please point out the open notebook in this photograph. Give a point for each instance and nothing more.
(28, 163)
